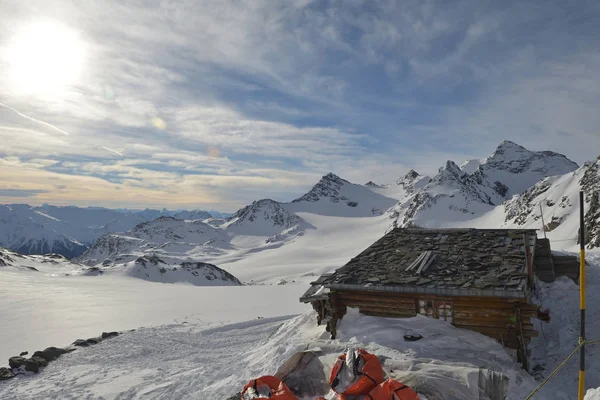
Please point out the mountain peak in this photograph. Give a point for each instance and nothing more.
(328, 186)
(507, 144)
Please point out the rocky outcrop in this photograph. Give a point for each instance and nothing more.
(6, 373)
(40, 359)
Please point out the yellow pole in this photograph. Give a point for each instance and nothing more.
(581, 389)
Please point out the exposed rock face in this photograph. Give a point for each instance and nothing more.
(521, 208)
(109, 246)
(413, 181)
(6, 374)
(374, 185)
(209, 271)
(50, 354)
(590, 183)
(329, 186)
(21, 363)
(266, 213)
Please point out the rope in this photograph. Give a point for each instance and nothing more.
(562, 364)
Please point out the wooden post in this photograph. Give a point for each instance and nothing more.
(581, 391)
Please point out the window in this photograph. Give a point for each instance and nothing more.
(445, 311)
(426, 308)
(439, 309)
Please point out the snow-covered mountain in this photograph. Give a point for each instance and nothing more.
(334, 196)
(54, 263)
(146, 267)
(152, 268)
(558, 197)
(70, 230)
(28, 231)
(171, 238)
(454, 195)
(403, 187)
(512, 169)
(264, 217)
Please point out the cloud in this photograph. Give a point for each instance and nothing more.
(221, 103)
(20, 192)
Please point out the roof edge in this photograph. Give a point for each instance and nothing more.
(505, 293)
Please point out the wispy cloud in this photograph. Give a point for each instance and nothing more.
(259, 99)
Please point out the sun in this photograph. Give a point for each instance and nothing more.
(44, 59)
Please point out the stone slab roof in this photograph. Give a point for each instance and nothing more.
(443, 261)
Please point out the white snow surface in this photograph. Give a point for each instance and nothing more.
(592, 394)
(470, 166)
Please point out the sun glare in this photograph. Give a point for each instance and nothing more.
(44, 59)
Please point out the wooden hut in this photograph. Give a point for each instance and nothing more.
(477, 279)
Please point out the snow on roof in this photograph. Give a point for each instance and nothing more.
(471, 262)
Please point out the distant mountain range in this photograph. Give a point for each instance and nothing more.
(504, 189)
(71, 230)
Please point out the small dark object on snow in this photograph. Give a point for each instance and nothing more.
(29, 364)
(106, 335)
(412, 338)
(94, 340)
(6, 374)
(81, 343)
(51, 353)
(24, 353)
(236, 396)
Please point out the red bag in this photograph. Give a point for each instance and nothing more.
(393, 390)
(267, 387)
(365, 369)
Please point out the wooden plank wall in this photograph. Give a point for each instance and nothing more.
(506, 320)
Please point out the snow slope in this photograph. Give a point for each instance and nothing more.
(165, 362)
(48, 308)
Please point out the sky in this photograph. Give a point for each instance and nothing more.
(214, 104)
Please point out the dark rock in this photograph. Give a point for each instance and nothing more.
(81, 343)
(28, 364)
(24, 353)
(413, 337)
(42, 362)
(106, 335)
(95, 340)
(6, 374)
(16, 362)
(51, 353)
